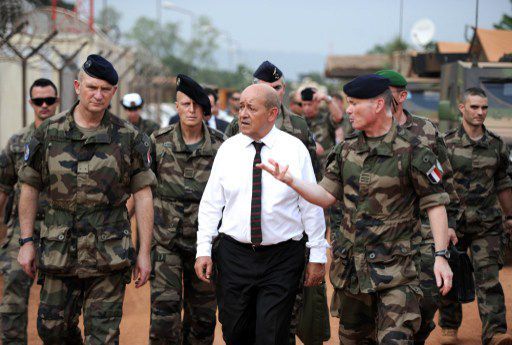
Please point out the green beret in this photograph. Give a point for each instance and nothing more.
(395, 78)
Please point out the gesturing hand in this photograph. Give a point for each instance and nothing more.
(279, 172)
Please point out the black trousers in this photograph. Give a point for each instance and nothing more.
(256, 289)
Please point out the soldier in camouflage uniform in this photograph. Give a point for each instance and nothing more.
(322, 122)
(183, 157)
(382, 175)
(16, 287)
(429, 136)
(480, 161)
(132, 104)
(88, 162)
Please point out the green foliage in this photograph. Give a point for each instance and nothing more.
(158, 41)
(193, 57)
(108, 20)
(396, 44)
(505, 23)
(199, 50)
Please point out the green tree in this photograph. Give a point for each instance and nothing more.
(108, 20)
(505, 23)
(160, 41)
(396, 44)
(200, 49)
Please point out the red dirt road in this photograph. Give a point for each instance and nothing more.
(135, 323)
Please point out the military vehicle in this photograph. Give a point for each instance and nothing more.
(495, 78)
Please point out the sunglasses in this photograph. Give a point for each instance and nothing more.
(48, 100)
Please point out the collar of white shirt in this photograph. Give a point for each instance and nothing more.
(269, 139)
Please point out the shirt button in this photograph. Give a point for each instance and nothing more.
(372, 256)
(403, 250)
(126, 232)
(61, 237)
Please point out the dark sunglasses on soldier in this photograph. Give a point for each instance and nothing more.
(48, 100)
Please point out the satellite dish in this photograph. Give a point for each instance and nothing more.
(422, 32)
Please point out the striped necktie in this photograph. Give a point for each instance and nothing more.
(256, 234)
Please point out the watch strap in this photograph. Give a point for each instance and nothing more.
(22, 241)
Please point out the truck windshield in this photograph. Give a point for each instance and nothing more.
(499, 93)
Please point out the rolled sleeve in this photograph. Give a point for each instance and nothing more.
(8, 176)
(141, 180)
(30, 176)
(332, 187)
(432, 200)
(332, 181)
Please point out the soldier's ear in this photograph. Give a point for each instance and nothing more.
(461, 108)
(76, 84)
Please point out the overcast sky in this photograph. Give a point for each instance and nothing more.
(319, 27)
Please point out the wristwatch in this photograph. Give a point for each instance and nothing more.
(22, 241)
(445, 253)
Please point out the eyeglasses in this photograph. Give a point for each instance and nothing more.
(48, 100)
(297, 103)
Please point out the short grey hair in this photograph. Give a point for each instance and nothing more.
(388, 100)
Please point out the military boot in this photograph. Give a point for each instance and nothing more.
(501, 339)
(448, 336)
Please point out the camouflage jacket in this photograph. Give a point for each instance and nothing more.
(479, 172)
(382, 191)
(11, 160)
(429, 136)
(182, 176)
(324, 132)
(86, 231)
(292, 124)
(147, 126)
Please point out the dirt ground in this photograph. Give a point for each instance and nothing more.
(135, 323)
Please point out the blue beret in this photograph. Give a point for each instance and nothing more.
(193, 90)
(268, 72)
(366, 86)
(98, 67)
(307, 94)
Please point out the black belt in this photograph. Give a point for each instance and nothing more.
(260, 247)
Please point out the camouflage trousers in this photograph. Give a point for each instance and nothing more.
(430, 301)
(174, 285)
(16, 291)
(390, 316)
(487, 258)
(62, 299)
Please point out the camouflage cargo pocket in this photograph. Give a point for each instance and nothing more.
(391, 264)
(114, 249)
(342, 269)
(166, 233)
(57, 254)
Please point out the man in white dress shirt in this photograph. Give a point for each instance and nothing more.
(259, 255)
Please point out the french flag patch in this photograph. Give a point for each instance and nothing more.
(435, 174)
